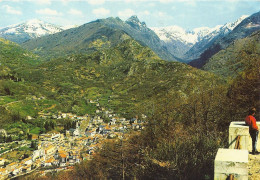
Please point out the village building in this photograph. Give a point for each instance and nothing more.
(27, 161)
(2, 161)
(50, 150)
(3, 172)
(49, 162)
(11, 166)
(26, 169)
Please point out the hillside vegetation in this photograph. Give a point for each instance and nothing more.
(231, 61)
(188, 110)
(127, 76)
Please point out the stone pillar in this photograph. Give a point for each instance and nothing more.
(231, 161)
(239, 128)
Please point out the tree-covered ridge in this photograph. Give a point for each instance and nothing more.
(235, 58)
(125, 76)
(13, 56)
(13, 88)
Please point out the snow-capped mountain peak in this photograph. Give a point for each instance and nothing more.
(176, 38)
(191, 37)
(178, 33)
(34, 28)
(232, 25)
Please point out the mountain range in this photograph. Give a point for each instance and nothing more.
(133, 27)
(188, 45)
(170, 43)
(248, 26)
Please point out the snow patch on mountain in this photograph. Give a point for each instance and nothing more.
(177, 33)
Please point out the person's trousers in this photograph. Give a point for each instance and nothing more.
(254, 136)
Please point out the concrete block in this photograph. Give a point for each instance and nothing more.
(235, 129)
(231, 161)
(240, 128)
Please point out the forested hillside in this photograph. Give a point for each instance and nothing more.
(127, 75)
(186, 111)
(231, 61)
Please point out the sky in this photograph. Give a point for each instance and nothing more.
(188, 14)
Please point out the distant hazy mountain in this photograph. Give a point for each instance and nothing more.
(189, 45)
(30, 29)
(179, 41)
(242, 30)
(102, 33)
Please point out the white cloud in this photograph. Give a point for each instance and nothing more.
(96, 2)
(75, 12)
(134, 1)
(65, 2)
(130, 1)
(165, 1)
(13, 0)
(11, 10)
(161, 14)
(100, 12)
(151, 4)
(48, 11)
(126, 13)
(191, 3)
(146, 13)
(43, 2)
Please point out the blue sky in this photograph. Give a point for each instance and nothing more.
(188, 14)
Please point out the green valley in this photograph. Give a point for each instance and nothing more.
(98, 98)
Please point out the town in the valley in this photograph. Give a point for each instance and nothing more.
(61, 151)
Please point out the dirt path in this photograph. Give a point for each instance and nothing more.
(254, 167)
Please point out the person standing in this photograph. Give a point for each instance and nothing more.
(253, 128)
